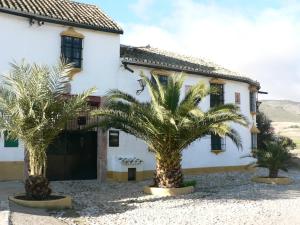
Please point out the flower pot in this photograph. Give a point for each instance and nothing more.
(168, 191)
(55, 201)
(268, 180)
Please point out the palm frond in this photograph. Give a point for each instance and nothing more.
(33, 105)
(168, 124)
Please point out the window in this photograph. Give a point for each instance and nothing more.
(10, 143)
(114, 138)
(254, 141)
(71, 50)
(217, 98)
(131, 174)
(163, 79)
(237, 98)
(217, 143)
(253, 102)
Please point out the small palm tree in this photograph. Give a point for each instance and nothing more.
(168, 124)
(275, 155)
(35, 109)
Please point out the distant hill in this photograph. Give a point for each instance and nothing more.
(281, 110)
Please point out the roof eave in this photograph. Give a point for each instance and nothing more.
(209, 74)
(59, 21)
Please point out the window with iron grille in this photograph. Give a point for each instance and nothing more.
(217, 98)
(252, 102)
(254, 141)
(114, 138)
(217, 143)
(71, 50)
(162, 79)
(10, 143)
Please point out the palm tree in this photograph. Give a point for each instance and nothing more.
(35, 109)
(168, 124)
(275, 155)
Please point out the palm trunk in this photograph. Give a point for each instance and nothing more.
(37, 185)
(168, 172)
(37, 161)
(273, 173)
(26, 164)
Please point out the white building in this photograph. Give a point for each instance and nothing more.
(42, 31)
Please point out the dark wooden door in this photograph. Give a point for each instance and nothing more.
(73, 156)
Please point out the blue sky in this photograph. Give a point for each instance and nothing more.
(122, 11)
(258, 38)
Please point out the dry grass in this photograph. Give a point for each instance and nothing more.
(291, 130)
(288, 129)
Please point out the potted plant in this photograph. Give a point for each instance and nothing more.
(35, 109)
(168, 123)
(275, 156)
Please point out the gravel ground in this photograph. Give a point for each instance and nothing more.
(30, 216)
(221, 199)
(6, 189)
(4, 212)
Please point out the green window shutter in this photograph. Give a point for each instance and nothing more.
(10, 143)
(254, 141)
(217, 99)
(216, 142)
(252, 102)
(162, 79)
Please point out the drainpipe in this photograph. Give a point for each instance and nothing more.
(127, 68)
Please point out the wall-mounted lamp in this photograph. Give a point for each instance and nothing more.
(142, 84)
(33, 21)
(41, 23)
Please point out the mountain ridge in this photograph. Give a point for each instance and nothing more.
(281, 110)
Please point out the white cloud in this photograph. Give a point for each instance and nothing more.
(140, 8)
(265, 46)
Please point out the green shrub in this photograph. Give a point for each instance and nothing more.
(189, 183)
(294, 126)
(275, 156)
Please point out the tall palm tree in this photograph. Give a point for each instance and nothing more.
(168, 124)
(35, 109)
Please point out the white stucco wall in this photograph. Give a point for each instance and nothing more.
(199, 153)
(102, 69)
(42, 44)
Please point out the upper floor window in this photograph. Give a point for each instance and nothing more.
(252, 102)
(254, 140)
(71, 50)
(163, 79)
(217, 98)
(237, 98)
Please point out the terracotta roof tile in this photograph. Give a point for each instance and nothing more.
(157, 58)
(62, 12)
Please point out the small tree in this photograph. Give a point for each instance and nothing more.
(35, 110)
(168, 123)
(264, 124)
(273, 150)
(274, 156)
